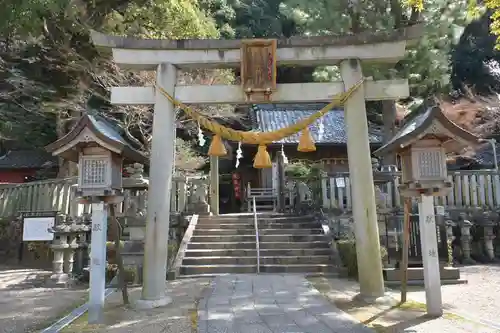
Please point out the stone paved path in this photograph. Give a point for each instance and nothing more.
(270, 304)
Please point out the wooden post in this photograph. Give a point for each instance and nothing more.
(389, 114)
(363, 191)
(428, 239)
(214, 185)
(160, 185)
(406, 240)
(281, 182)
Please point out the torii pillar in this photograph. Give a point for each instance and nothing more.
(372, 47)
(364, 210)
(160, 186)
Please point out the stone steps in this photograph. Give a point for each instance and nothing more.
(226, 244)
(223, 238)
(298, 252)
(263, 252)
(252, 260)
(244, 231)
(209, 270)
(298, 268)
(222, 260)
(291, 238)
(294, 245)
(217, 269)
(248, 219)
(222, 245)
(225, 226)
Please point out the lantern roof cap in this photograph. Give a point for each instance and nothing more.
(430, 123)
(103, 133)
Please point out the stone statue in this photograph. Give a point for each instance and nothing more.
(304, 192)
(199, 197)
(375, 164)
(380, 198)
(201, 192)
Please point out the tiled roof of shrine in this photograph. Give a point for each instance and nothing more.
(27, 159)
(330, 129)
(103, 130)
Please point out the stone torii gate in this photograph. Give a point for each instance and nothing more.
(348, 52)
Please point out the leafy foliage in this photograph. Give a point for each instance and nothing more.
(252, 18)
(303, 170)
(348, 255)
(51, 72)
(474, 59)
(426, 64)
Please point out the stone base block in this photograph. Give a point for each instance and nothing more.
(385, 300)
(137, 233)
(61, 280)
(143, 304)
(417, 273)
(199, 208)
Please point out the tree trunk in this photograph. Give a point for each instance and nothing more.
(66, 168)
(389, 119)
(119, 260)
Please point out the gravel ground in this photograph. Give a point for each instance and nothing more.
(25, 306)
(479, 298)
(177, 317)
(458, 299)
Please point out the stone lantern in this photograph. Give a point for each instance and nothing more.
(422, 144)
(100, 150)
(65, 244)
(135, 212)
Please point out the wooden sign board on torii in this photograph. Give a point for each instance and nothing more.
(258, 60)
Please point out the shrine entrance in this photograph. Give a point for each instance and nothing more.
(258, 61)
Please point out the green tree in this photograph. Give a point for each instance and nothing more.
(51, 72)
(426, 64)
(475, 60)
(252, 18)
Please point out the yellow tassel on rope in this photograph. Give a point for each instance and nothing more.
(262, 159)
(217, 147)
(306, 142)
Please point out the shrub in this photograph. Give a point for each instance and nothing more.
(297, 169)
(112, 270)
(347, 253)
